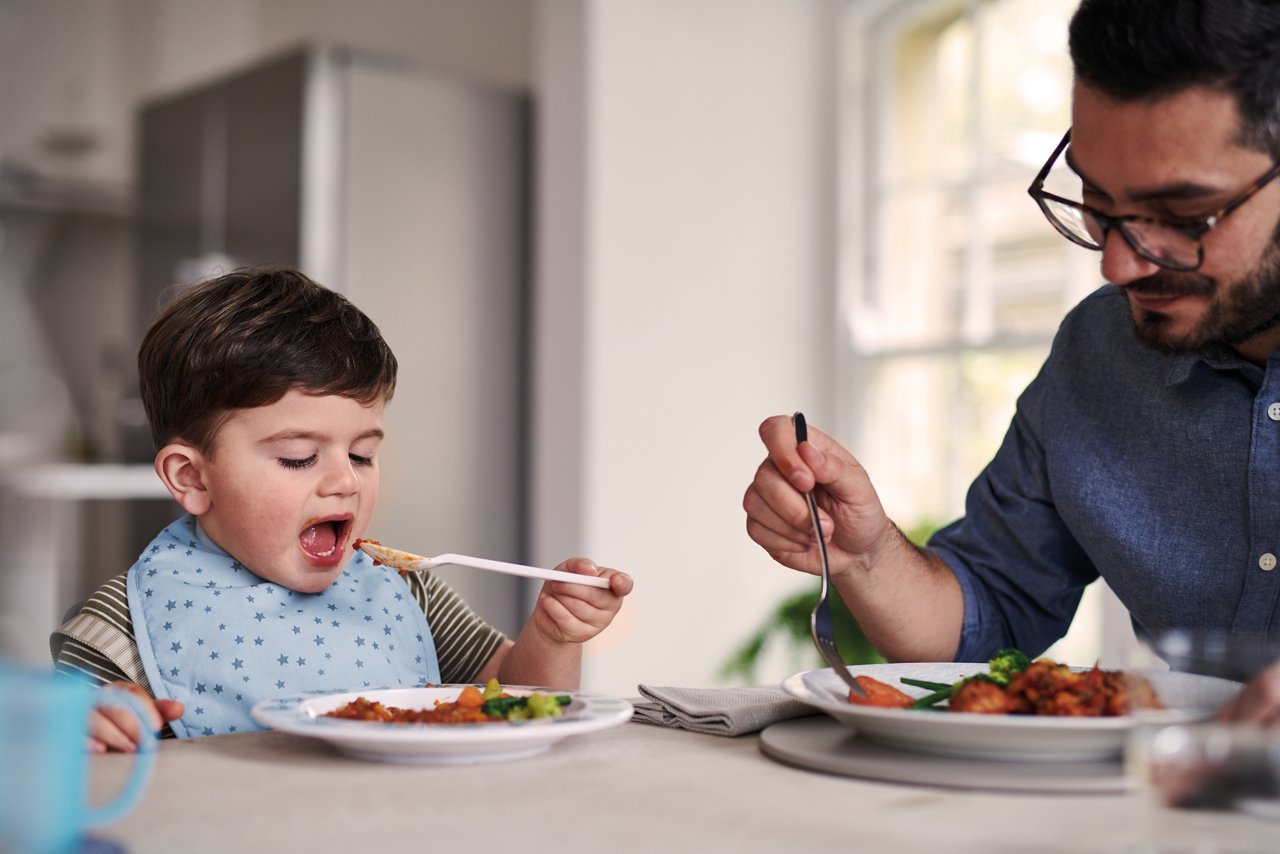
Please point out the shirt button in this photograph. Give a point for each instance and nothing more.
(1273, 411)
(1267, 562)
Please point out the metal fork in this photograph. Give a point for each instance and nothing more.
(820, 623)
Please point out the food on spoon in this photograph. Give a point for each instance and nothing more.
(879, 694)
(384, 549)
(472, 705)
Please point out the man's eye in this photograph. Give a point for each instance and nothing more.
(298, 464)
(1180, 221)
(361, 461)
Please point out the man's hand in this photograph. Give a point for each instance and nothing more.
(1258, 702)
(906, 600)
(853, 521)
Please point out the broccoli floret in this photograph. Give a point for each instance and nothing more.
(1005, 664)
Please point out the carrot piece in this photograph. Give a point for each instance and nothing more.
(470, 698)
(880, 695)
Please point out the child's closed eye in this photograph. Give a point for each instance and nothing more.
(359, 460)
(290, 463)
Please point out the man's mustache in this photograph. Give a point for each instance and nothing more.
(1166, 284)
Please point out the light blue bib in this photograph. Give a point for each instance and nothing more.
(219, 638)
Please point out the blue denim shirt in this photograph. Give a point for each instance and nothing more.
(1159, 473)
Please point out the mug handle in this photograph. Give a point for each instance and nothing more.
(142, 766)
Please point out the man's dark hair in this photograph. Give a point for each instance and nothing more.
(245, 339)
(1147, 49)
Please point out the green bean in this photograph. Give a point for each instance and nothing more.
(924, 683)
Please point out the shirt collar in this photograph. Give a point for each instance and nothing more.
(1217, 356)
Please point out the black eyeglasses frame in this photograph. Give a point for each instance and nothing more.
(1194, 229)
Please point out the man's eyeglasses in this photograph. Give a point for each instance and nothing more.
(1173, 245)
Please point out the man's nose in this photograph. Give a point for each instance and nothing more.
(1121, 264)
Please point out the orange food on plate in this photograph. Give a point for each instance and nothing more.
(880, 695)
(470, 698)
(1049, 688)
(981, 697)
(472, 705)
(457, 712)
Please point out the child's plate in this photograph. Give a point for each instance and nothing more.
(437, 744)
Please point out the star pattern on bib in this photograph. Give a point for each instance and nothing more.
(358, 627)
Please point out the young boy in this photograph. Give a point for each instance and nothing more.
(265, 392)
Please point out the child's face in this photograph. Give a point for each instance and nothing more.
(292, 485)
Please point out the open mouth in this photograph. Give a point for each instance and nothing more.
(324, 540)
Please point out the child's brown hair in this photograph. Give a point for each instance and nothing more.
(246, 338)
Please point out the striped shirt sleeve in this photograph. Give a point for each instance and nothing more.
(97, 644)
(464, 642)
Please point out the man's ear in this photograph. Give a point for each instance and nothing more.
(180, 467)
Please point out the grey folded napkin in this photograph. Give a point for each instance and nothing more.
(717, 711)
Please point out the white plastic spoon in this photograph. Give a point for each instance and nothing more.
(401, 560)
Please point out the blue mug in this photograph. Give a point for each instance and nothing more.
(44, 764)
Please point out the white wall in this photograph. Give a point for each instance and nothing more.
(685, 138)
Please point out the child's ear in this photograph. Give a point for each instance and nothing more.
(179, 466)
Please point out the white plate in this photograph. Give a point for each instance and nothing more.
(436, 744)
(1024, 738)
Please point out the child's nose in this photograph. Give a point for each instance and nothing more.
(340, 479)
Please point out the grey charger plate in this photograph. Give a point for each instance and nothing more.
(821, 743)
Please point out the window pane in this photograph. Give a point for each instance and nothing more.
(1027, 265)
(917, 283)
(934, 421)
(1025, 82)
(928, 103)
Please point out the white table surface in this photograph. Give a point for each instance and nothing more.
(635, 787)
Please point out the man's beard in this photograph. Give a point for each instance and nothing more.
(1245, 309)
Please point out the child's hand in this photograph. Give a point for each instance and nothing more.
(113, 727)
(575, 613)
